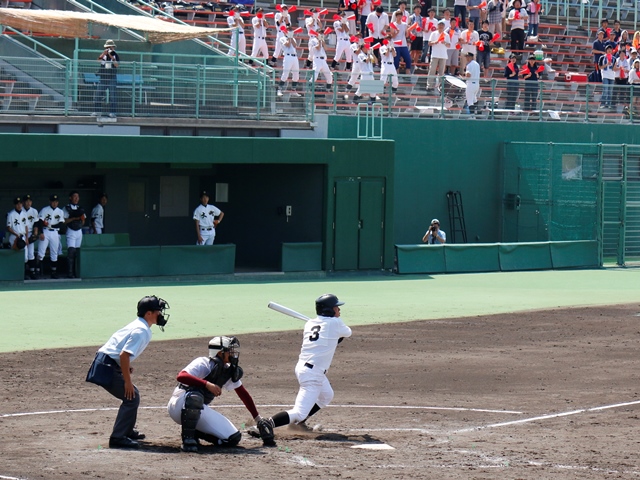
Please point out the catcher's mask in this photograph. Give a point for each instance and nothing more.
(225, 344)
(151, 304)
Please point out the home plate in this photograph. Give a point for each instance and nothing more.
(374, 446)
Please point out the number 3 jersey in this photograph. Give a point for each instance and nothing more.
(320, 339)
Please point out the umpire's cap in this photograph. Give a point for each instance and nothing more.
(325, 304)
(151, 303)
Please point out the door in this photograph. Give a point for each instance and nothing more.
(525, 206)
(358, 224)
(140, 212)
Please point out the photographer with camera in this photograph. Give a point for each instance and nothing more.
(434, 235)
(109, 60)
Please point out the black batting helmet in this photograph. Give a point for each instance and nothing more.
(325, 304)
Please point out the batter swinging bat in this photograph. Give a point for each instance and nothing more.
(287, 311)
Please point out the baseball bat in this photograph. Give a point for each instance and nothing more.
(287, 311)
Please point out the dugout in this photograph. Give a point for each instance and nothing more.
(339, 192)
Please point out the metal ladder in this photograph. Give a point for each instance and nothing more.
(456, 216)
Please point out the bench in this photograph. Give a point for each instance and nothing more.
(30, 98)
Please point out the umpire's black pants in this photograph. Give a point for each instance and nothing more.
(128, 412)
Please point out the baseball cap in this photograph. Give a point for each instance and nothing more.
(203, 193)
(26, 197)
(17, 200)
(53, 198)
(633, 50)
(469, 54)
(434, 221)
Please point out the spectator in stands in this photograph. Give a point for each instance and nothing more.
(511, 73)
(439, 42)
(387, 67)
(604, 26)
(398, 30)
(473, 7)
(341, 27)
(518, 19)
(313, 23)
(282, 19)
(484, 54)
(378, 23)
(350, 8)
(429, 24)
(290, 64)
(531, 75)
(425, 6)
(238, 42)
(468, 41)
(434, 235)
(621, 68)
(607, 62)
(109, 61)
(494, 16)
(534, 9)
(259, 48)
(453, 52)
(366, 8)
(616, 33)
(598, 48)
(634, 81)
(633, 56)
(318, 53)
(355, 68)
(635, 43)
(416, 43)
(460, 12)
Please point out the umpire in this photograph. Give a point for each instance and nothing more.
(111, 368)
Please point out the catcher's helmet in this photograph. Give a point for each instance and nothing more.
(224, 344)
(151, 303)
(325, 304)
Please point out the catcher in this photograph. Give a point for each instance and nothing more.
(199, 383)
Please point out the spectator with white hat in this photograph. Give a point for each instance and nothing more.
(434, 235)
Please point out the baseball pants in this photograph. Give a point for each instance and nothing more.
(291, 65)
(320, 66)
(51, 240)
(208, 236)
(386, 71)
(239, 39)
(211, 422)
(278, 49)
(355, 73)
(471, 92)
(128, 411)
(98, 230)
(259, 48)
(314, 389)
(74, 238)
(343, 46)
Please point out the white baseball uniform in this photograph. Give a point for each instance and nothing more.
(17, 221)
(74, 229)
(387, 67)
(366, 69)
(51, 236)
(32, 217)
(97, 216)
(259, 48)
(319, 55)
(312, 23)
(473, 82)
(210, 422)
(290, 62)
(355, 66)
(343, 42)
(280, 19)
(237, 35)
(205, 215)
(319, 342)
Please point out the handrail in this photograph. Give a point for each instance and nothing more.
(35, 42)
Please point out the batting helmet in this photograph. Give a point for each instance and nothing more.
(151, 303)
(325, 304)
(224, 344)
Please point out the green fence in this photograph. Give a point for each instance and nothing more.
(561, 192)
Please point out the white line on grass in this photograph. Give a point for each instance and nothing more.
(546, 417)
(383, 407)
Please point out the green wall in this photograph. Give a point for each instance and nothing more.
(433, 157)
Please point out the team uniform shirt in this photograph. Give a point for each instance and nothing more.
(469, 40)
(379, 23)
(17, 221)
(439, 50)
(97, 215)
(312, 23)
(201, 367)
(231, 21)
(280, 19)
(355, 66)
(259, 38)
(521, 21)
(132, 338)
(387, 67)
(366, 67)
(205, 214)
(320, 339)
(52, 217)
(32, 217)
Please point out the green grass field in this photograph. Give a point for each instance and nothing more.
(85, 315)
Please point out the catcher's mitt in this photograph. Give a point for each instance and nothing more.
(265, 427)
(19, 244)
(32, 238)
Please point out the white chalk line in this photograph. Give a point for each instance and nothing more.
(549, 416)
(383, 407)
(3, 477)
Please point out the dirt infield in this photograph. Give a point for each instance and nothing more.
(520, 396)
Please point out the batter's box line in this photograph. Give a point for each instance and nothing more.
(548, 416)
(384, 407)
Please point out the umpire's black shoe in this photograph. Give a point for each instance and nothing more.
(124, 442)
(136, 435)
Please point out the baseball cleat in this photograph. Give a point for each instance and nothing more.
(189, 445)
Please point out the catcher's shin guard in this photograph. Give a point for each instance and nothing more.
(189, 417)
